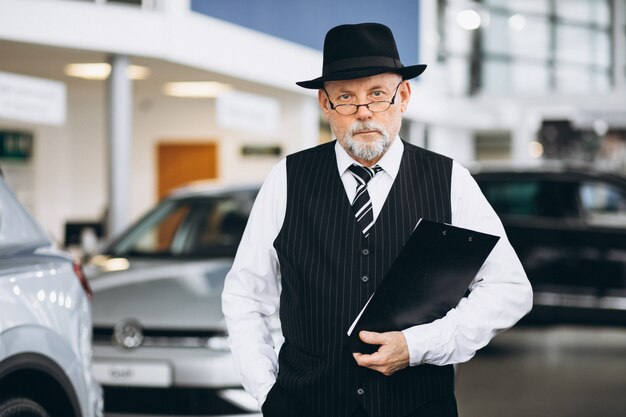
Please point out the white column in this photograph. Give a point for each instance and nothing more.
(428, 32)
(119, 144)
(619, 44)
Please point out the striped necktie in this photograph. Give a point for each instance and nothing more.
(362, 203)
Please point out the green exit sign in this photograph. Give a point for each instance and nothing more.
(16, 145)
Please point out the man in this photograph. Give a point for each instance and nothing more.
(329, 221)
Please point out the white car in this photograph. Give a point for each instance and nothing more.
(160, 341)
(45, 323)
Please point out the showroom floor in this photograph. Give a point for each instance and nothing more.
(547, 371)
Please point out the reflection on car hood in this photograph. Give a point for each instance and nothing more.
(160, 294)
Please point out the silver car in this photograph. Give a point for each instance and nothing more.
(160, 342)
(45, 323)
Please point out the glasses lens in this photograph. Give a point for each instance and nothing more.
(346, 109)
(378, 106)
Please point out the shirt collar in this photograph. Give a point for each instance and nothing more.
(390, 162)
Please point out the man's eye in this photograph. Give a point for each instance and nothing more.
(344, 97)
(378, 94)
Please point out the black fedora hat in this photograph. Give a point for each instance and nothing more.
(361, 50)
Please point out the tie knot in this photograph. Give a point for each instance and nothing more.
(364, 174)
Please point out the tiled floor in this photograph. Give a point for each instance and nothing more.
(551, 372)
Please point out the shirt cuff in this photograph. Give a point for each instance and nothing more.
(424, 344)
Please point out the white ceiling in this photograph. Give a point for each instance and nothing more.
(49, 62)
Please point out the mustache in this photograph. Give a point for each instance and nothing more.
(367, 126)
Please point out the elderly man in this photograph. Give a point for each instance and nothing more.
(329, 221)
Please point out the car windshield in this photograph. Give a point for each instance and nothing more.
(189, 227)
(17, 228)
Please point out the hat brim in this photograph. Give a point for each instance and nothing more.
(406, 72)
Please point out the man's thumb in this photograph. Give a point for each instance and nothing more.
(370, 337)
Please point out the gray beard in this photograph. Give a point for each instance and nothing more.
(367, 151)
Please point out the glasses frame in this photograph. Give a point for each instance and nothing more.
(356, 106)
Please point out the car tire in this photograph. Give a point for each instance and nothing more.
(22, 407)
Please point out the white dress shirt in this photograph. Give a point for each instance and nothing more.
(500, 293)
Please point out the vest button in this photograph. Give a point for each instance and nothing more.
(365, 278)
(360, 391)
(365, 251)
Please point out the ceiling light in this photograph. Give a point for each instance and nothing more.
(517, 22)
(468, 19)
(137, 72)
(95, 71)
(199, 89)
(102, 70)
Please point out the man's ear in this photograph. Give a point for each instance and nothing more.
(324, 103)
(405, 95)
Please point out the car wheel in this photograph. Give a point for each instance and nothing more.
(22, 407)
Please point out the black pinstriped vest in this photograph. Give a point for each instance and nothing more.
(329, 271)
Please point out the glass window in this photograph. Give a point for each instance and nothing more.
(500, 77)
(541, 46)
(580, 79)
(573, 79)
(496, 77)
(532, 6)
(584, 11)
(458, 75)
(529, 78)
(601, 80)
(202, 227)
(603, 204)
(529, 41)
(601, 49)
(580, 45)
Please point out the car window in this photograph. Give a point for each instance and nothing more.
(17, 228)
(603, 204)
(158, 237)
(193, 227)
(529, 198)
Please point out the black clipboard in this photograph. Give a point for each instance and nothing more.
(427, 279)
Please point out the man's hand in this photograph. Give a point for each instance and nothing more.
(392, 356)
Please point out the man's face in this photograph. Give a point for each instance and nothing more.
(366, 135)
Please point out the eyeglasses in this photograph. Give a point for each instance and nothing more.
(374, 106)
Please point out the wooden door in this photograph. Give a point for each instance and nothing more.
(181, 163)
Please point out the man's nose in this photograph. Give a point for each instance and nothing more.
(363, 113)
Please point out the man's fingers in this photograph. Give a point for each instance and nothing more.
(372, 338)
(373, 362)
(368, 360)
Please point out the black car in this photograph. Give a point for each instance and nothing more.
(568, 226)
